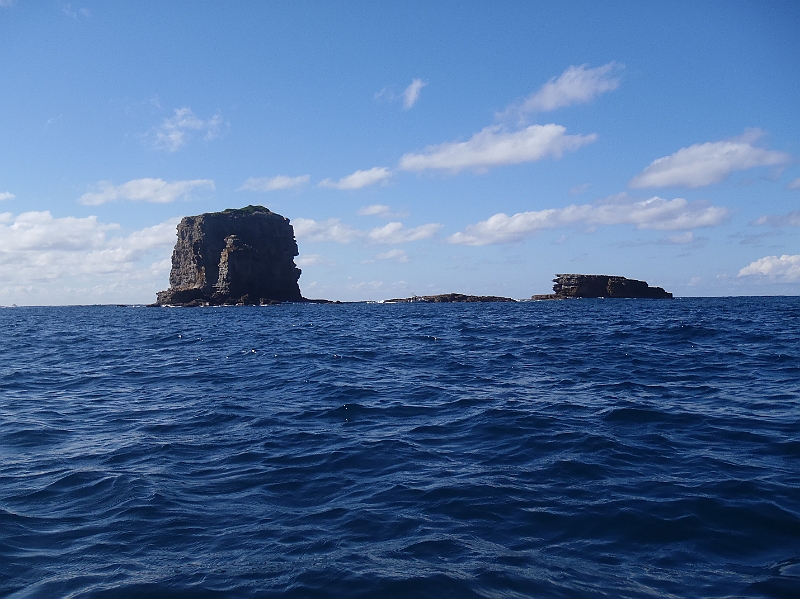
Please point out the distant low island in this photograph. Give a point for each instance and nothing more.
(448, 298)
(246, 256)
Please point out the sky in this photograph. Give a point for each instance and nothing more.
(416, 147)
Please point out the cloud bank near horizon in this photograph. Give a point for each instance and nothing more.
(784, 269)
(36, 248)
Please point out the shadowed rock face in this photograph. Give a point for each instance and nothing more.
(243, 256)
(567, 286)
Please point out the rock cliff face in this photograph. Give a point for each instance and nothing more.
(569, 286)
(243, 256)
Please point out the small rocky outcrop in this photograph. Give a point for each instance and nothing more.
(448, 298)
(234, 257)
(573, 286)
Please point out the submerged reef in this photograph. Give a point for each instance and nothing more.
(235, 257)
(574, 286)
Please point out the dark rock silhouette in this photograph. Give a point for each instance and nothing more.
(573, 286)
(233, 257)
(448, 298)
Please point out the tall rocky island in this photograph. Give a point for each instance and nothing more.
(573, 286)
(243, 256)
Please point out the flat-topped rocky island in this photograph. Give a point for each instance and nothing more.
(568, 286)
(234, 257)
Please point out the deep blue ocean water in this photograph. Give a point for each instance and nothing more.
(588, 448)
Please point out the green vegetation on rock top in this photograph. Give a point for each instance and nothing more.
(246, 210)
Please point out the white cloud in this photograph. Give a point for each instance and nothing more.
(655, 213)
(494, 146)
(374, 210)
(306, 229)
(396, 254)
(273, 183)
(783, 269)
(313, 260)
(380, 210)
(681, 238)
(576, 85)
(174, 131)
(156, 191)
(794, 184)
(6, 195)
(394, 232)
(359, 179)
(707, 163)
(332, 229)
(411, 93)
(779, 220)
(6, 3)
(39, 251)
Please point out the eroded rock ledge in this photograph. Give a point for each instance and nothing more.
(448, 298)
(574, 286)
(234, 257)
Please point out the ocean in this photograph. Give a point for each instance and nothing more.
(585, 448)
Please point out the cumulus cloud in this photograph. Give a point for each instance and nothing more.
(794, 184)
(39, 250)
(411, 93)
(359, 179)
(176, 130)
(782, 269)
(707, 163)
(333, 229)
(576, 85)
(394, 232)
(654, 213)
(494, 146)
(273, 183)
(156, 191)
(6, 195)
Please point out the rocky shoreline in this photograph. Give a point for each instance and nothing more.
(448, 298)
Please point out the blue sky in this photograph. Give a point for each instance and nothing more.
(461, 147)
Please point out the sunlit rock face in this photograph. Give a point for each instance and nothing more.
(243, 256)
